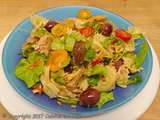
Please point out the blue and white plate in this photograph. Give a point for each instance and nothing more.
(16, 39)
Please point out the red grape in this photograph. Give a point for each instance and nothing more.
(106, 29)
(50, 25)
(89, 97)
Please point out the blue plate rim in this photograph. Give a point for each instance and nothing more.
(69, 113)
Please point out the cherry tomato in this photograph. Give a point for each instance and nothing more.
(89, 97)
(97, 61)
(123, 35)
(87, 31)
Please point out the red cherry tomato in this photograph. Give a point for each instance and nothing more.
(123, 35)
(87, 31)
(97, 61)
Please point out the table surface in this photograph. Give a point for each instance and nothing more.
(143, 14)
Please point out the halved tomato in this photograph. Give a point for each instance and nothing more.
(123, 35)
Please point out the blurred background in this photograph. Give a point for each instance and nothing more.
(144, 14)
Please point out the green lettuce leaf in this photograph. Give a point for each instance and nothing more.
(58, 77)
(57, 44)
(38, 21)
(90, 54)
(40, 32)
(135, 79)
(93, 80)
(104, 98)
(30, 69)
(96, 70)
(141, 54)
(69, 43)
(66, 100)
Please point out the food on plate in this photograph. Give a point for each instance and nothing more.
(80, 60)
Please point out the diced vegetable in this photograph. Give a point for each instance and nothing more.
(104, 98)
(97, 61)
(58, 60)
(141, 54)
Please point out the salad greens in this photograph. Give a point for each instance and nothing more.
(141, 54)
(104, 98)
(30, 69)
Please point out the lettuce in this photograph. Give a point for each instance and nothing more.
(141, 54)
(135, 79)
(93, 80)
(40, 32)
(57, 44)
(69, 43)
(90, 54)
(30, 69)
(67, 100)
(96, 70)
(38, 21)
(76, 35)
(58, 77)
(104, 98)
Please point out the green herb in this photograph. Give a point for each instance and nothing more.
(104, 98)
(93, 80)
